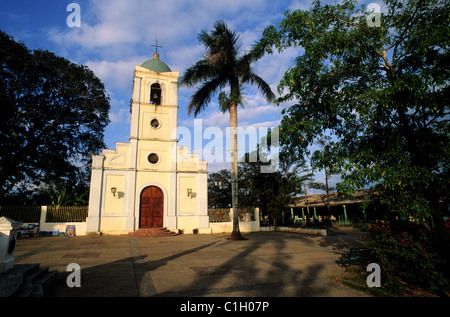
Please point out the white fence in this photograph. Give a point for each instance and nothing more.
(248, 221)
(48, 220)
(44, 226)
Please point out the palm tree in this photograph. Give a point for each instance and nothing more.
(223, 67)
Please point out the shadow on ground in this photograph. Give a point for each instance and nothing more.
(263, 265)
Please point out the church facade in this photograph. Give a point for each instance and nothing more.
(150, 181)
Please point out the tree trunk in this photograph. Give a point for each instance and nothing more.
(235, 234)
(307, 206)
(327, 189)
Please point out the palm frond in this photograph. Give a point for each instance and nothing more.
(222, 45)
(262, 86)
(202, 96)
(199, 72)
(221, 67)
(226, 100)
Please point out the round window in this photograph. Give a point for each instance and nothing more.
(155, 124)
(153, 158)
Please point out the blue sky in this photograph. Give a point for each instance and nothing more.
(116, 35)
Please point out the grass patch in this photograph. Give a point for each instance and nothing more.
(355, 278)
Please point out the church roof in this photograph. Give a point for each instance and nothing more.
(156, 65)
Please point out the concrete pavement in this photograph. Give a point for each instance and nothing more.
(266, 264)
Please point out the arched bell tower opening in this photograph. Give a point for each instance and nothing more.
(155, 94)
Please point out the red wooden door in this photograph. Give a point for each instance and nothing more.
(152, 202)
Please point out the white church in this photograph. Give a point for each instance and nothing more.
(149, 182)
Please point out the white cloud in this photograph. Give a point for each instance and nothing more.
(184, 56)
(107, 23)
(116, 35)
(119, 116)
(214, 167)
(272, 67)
(299, 5)
(212, 117)
(265, 124)
(114, 30)
(117, 75)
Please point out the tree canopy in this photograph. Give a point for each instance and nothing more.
(381, 92)
(272, 193)
(219, 189)
(54, 113)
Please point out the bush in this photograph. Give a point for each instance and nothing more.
(410, 254)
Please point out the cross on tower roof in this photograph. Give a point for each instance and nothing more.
(156, 46)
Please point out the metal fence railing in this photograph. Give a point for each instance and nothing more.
(25, 214)
(219, 215)
(67, 214)
(223, 214)
(247, 214)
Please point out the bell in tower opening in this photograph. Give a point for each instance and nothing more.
(155, 94)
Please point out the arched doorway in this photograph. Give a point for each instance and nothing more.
(151, 207)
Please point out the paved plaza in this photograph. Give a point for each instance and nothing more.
(265, 264)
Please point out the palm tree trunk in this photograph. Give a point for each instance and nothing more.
(235, 234)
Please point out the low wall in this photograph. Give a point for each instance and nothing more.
(80, 227)
(244, 225)
(226, 227)
(322, 232)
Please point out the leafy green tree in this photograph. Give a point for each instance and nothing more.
(223, 66)
(54, 113)
(273, 192)
(219, 189)
(381, 91)
(408, 254)
(68, 196)
(323, 160)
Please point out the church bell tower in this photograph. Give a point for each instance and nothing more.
(149, 183)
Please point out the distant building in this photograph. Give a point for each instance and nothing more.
(342, 208)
